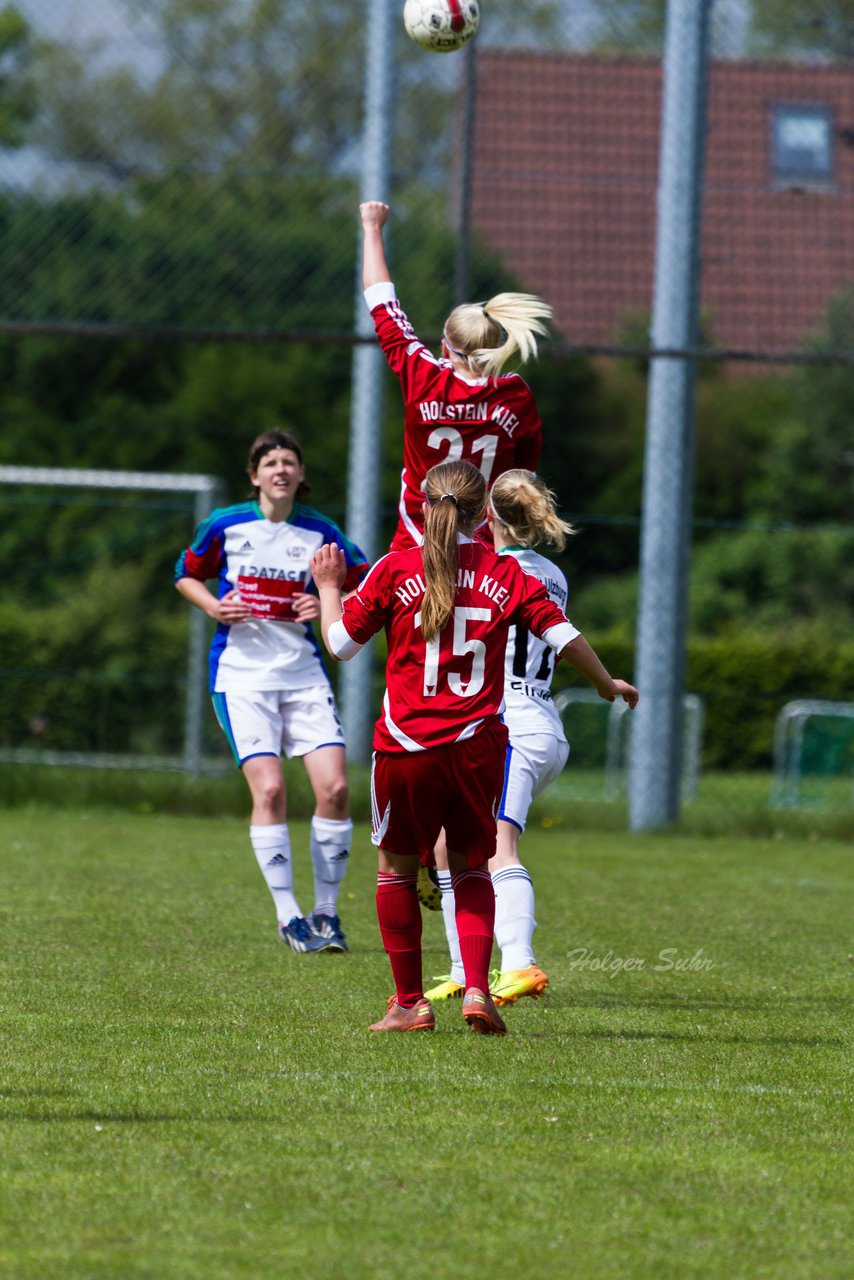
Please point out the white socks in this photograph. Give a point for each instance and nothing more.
(330, 849)
(272, 847)
(514, 917)
(458, 973)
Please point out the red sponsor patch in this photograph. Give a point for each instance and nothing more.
(270, 597)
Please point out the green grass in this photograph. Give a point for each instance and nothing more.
(182, 1097)
(729, 804)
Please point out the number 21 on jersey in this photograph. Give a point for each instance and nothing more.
(484, 445)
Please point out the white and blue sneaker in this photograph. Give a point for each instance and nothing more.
(329, 928)
(299, 936)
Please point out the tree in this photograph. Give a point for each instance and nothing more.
(17, 92)
(806, 473)
(633, 26)
(776, 27)
(798, 26)
(270, 87)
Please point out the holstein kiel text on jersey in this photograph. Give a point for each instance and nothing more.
(415, 586)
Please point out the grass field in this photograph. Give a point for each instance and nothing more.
(726, 804)
(182, 1097)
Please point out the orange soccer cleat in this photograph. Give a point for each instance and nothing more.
(419, 1018)
(481, 1014)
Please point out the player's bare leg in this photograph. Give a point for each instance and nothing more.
(266, 784)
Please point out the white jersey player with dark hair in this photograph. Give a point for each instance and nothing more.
(269, 687)
(521, 515)
(459, 405)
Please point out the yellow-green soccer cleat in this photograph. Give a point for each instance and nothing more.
(506, 988)
(446, 990)
(429, 893)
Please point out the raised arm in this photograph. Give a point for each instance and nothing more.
(328, 569)
(374, 215)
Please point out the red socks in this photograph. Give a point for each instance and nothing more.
(399, 914)
(475, 914)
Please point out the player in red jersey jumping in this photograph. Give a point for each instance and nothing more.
(439, 743)
(459, 405)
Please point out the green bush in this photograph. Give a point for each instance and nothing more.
(744, 681)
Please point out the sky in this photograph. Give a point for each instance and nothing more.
(76, 19)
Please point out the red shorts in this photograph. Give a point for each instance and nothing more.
(458, 787)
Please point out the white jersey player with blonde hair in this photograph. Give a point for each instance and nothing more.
(522, 515)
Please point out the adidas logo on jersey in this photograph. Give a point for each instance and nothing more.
(247, 546)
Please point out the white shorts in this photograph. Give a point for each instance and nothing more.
(532, 763)
(269, 722)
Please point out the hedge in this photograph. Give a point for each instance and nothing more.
(86, 683)
(744, 681)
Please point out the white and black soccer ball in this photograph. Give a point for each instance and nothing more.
(441, 25)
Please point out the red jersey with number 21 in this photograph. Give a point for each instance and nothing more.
(444, 691)
(493, 423)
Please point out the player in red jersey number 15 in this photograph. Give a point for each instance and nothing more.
(439, 743)
(459, 405)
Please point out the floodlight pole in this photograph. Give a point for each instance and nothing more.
(469, 95)
(363, 475)
(196, 699)
(655, 765)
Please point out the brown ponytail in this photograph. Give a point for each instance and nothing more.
(456, 497)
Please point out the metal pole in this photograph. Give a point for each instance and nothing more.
(461, 261)
(197, 666)
(665, 535)
(363, 489)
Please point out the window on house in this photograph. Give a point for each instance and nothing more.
(801, 145)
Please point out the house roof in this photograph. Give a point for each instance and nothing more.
(563, 184)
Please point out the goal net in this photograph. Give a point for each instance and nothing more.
(103, 664)
(814, 754)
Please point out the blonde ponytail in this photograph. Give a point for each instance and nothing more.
(527, 509)
(487, 334)
(456, 497)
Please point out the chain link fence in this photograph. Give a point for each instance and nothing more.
(178, 192)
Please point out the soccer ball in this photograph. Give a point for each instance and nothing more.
(441, 25)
